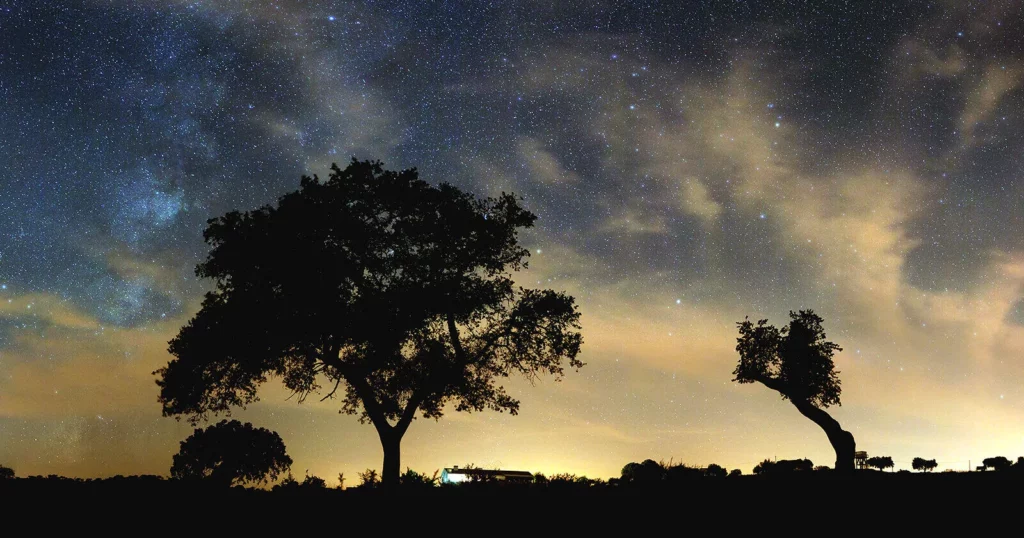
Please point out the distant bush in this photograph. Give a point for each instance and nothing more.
(413, 479)
(569, 479)
(369, 479)
(6, 473)
(231, 453)
(309, 482)
(783, 466)
(313, 481)
(998, 463)
(921, 464)
(715, 471)
(881, 462)
(682, 472)
(645, 473)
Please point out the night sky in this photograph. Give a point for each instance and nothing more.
(690, 163)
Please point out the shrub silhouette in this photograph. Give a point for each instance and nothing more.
(735, 472)
(313, 481)
(764, 467)
(796, 361)
(645, 473)
(6, 473)
(369, 479)
(566, 480)
(309, 482)
(715, 471)
(769, 467)
(921, 464)
(998, 463)
(412, 479)
(682, 472)
(395, 291)
(881, 462)
(231, 453)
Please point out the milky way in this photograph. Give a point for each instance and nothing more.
(691, 163)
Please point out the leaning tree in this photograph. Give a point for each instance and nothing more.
(230, 453)
(373, 282)
(796, 361)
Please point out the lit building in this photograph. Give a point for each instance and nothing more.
(456, 475)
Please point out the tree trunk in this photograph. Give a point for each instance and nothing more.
(392, 444)
(842, 440)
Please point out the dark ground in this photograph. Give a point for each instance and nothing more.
(805, 503)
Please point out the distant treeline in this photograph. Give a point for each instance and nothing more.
(646, 474)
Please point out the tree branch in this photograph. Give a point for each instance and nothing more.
(337, 382)
(362, 389)
(408, 413)
(370, 404)
(453, 332)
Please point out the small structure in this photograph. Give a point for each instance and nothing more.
(860, 459)
(455, 475)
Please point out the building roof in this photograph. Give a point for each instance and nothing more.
(488, 472)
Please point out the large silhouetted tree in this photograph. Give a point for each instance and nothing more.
(796, 361)
(6, 473)
(373, 281)
(231, 453)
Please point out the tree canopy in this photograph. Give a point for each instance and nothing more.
(715, 470)
(999, 463)
(921, 464)
(645, 473)
(795, 360)
(881, 462)
(231, 453)
(377, 283)
(767, 466)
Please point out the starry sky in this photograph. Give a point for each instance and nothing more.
(691, 163)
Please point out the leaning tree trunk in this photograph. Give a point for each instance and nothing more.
(842, 440)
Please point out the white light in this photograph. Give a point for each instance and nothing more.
(679, 301)
(777, 124)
